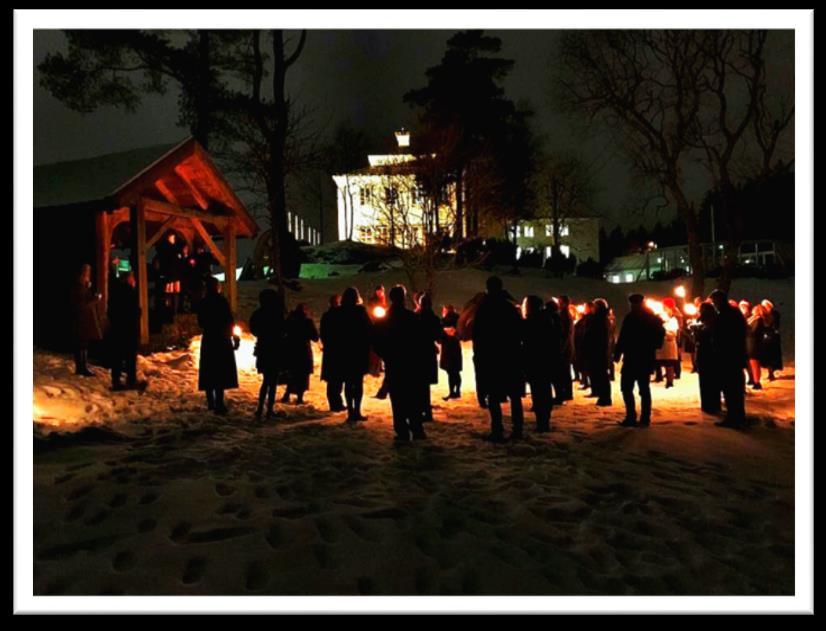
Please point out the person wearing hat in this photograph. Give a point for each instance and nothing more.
(642, 333)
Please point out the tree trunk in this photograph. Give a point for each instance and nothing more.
(460, 184)
(695, 249)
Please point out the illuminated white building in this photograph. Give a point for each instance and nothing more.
(385, 203)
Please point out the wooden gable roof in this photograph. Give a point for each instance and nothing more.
(182, 174)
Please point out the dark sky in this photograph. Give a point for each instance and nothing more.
(360, 76)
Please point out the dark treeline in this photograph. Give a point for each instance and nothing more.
(765, 198)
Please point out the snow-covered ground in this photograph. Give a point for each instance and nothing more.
(149, 494)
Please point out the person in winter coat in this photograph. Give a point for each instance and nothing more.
(124, 328)
(377, 310)
(497, 350)
(773, 353)
(267, 325)
(595, 347)
(300, 332)
(431, 329)
(398, 341)
(705, 359)
(756, 336)
(580, 367)
(216, 368)
(642, 333)
(85, 318)
(540, 352)
(668, 353)
(729, 337)
(450, 357)
(566, 332)
(351, 344)
(330, 355)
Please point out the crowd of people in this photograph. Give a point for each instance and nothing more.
(534, 344)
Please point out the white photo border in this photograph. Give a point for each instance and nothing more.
(26, 21)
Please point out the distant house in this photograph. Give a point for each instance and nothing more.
(659, 261)
(579, 237)
(385, 203)
(127, 201)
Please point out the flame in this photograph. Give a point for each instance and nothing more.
(654, 305)
(379, 311)
(580, 309)
(679, 291)
(690, 310)
(236, 330)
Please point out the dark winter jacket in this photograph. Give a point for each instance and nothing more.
(216, 368)
(642, 333)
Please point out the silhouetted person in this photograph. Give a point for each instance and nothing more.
(566, 331)
(216, 368)
(377, 310)
(596, 347)
(329, 334)
(756, 333)
(431, 331)
(580, 366)
(729, 335)
(465, 331)
(351, 340)
(705, 358)
(399, 344)
(497, 347)
(450, 358)
(773, 359)
(124, 328)
(85, 320)
(300, 332)
(267, 325)
(642, 333)
(540, 343)
(668, 355)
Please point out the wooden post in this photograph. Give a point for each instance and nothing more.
(141, 271)
(231, 262)
(102, 243)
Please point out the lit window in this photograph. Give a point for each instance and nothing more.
(566, 250)
(549, 230)
(563, 231)
(629, 278)
(528, 231)
(615, 278)
(548, 252)
(518, 253)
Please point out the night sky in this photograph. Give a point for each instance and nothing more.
(361, 76)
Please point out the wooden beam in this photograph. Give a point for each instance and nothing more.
(160, 231)
(166, 192)
(141, 272)
(102, 245)
(231, 257)
(165, 208)
(199, 198)
(216, 251)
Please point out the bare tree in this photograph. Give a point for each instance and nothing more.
(565, 189)
(647, 86)
(265, 123)
(731, 88)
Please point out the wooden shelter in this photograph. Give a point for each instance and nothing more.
(80, 204)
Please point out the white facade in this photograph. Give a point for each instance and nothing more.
(385, 203)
